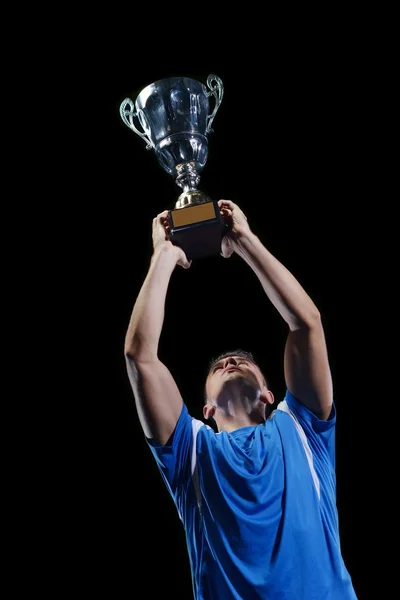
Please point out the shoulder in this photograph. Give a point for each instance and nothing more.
(300, 413)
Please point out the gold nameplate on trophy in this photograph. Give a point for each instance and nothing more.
(193, 214)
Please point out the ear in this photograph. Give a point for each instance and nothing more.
(267, 396)
(208, 411)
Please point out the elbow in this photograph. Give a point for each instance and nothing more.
(132, 354)
(133, 345)
(132, 348)
(136, 352)
(314, 318)
(129, 350)
(309, 320)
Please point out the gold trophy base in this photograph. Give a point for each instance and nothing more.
(196, 225)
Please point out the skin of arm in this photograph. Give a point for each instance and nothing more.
(157, 397)
(306, 365)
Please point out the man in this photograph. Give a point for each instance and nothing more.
(257, 498)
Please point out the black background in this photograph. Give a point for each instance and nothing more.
(288, 148)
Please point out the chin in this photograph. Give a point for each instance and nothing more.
(239, 379)
(246, 387)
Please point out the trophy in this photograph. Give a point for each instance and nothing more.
(176, 118)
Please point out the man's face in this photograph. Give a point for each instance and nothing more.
(233, 371)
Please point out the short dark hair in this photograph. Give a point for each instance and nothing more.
(238, 352)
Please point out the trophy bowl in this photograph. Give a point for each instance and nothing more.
(175, 118)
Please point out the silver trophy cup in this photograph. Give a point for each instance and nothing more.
(175, 117)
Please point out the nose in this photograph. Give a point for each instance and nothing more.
(229, 361)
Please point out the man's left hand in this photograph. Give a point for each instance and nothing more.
(238, 225)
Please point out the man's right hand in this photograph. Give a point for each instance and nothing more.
(161, 231)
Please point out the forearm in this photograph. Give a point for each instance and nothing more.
(144, 330)
(281, 287)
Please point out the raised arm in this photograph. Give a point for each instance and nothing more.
(158, 400)
(306, 365)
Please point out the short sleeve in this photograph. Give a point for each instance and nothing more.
(173, 459)
(320, 433)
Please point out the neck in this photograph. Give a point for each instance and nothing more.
(239, 412)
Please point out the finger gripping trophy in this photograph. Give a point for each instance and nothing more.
(176, 118)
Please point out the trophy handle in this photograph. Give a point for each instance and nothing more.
(217, 91)
(127, 115)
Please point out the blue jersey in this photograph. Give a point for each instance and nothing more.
(259, 506)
